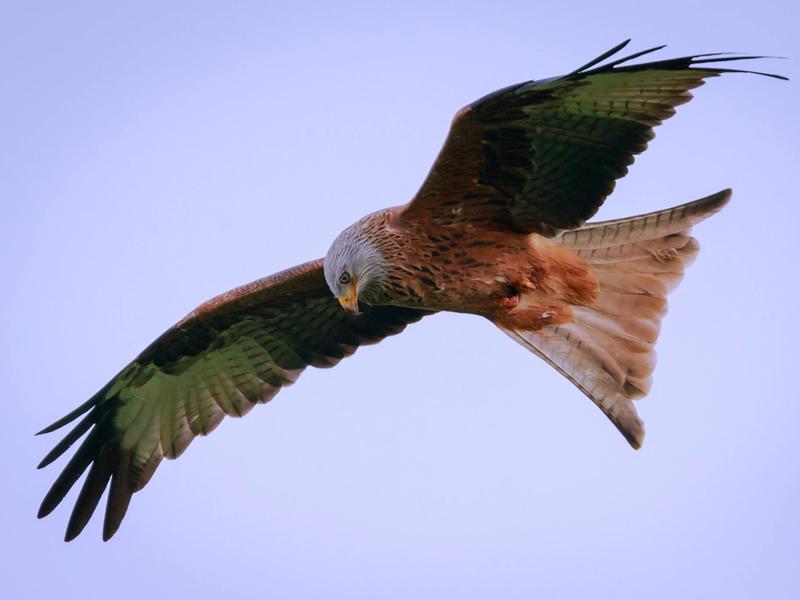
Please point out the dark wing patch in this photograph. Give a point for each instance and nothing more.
(233, 352)
(542, 156)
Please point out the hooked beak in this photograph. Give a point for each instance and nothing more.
(349, 300)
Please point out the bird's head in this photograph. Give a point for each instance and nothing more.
(354, 268)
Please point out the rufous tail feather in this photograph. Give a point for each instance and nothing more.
(607, 350)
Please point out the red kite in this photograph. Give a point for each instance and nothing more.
(498, 229)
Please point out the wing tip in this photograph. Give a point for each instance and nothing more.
(77, 412)
(690, 62)
(602, 57)
(47, 506)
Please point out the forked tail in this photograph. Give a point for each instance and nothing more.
(607, 350)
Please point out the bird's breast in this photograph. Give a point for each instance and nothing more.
(488, 273)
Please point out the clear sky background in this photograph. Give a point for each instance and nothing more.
(155, 154)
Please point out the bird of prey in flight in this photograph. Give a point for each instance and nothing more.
(498, 229)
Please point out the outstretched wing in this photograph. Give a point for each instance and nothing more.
(542, 156)
(233, 352)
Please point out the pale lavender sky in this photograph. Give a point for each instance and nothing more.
(155, 154)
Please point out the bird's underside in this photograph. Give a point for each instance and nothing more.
(589, 301)
(497, 229)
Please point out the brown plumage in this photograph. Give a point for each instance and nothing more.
(497, 230)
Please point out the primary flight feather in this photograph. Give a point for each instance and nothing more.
(497, 229)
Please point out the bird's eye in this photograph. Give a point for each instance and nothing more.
(344, 278)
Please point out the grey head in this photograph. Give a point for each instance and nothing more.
(354, 268)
